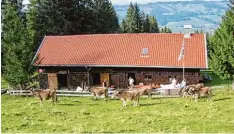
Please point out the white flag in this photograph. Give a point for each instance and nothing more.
(181, 56)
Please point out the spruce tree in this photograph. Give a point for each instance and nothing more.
(143, 18)
(106, 20)
(165, 30)
(123, 26)
(222, 46)
(153, 25)
(129, 20)
(18, 52)
(137, 19)
(146, 24)
(137, 22)
(133, 19)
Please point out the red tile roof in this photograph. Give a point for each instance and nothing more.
(123, 50)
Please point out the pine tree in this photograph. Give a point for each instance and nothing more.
(137, 18)
(57, 17)
(143, 18)
(123, 26)
(222, 46)
(146, 24)
(153, 25)
(133, 19)
(106, 20)
(129, 20)
(45, 18)
(18, 53)
(166, 30)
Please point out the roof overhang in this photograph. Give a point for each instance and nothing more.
(126, 66)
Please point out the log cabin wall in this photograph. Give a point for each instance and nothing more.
(78, 76)
(77, 79)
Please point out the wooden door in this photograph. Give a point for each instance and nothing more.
(104, 76)
(52, 81)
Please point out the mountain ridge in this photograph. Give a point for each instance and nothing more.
(205, 15)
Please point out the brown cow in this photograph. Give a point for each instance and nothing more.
(125, 96)
(198, 90)
(189, 90)
(204, 91)
(185, 91)
(44, 95)
(144, 90)
(98, 91)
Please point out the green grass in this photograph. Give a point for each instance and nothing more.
(4, 83)
(82, 114)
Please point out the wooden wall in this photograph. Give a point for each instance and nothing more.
(119, 76)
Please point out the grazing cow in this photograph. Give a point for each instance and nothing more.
(197, 90)
(98, 91)
(185, 91)
(189, 90)
(145, 90)
(125, 96)
(44, 95)
(204, 91)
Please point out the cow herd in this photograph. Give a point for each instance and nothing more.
(132, 93)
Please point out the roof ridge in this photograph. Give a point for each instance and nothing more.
(115, 34)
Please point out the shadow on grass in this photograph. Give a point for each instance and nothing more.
(76, 101)
(71, 104)
(170, 97)
(150, 104)
(226, 98)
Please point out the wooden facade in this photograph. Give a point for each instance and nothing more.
(71, 77)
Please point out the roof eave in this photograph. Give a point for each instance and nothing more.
(130, 66)
(206, 53)
(38, 50)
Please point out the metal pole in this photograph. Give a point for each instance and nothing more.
(183, 58)
(88, 69)
(183, 69)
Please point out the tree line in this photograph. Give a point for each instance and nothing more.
(22, 32)
(136, 21)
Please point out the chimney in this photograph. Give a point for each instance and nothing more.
(187, 31)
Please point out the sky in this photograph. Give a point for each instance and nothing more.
(126, 2)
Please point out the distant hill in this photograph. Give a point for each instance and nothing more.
(201, 14)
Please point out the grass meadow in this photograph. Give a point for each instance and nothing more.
(83, 114)
(4, 84)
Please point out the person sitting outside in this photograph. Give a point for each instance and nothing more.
(174, 82)
(183, 84)
(170, 80)
(131, 81)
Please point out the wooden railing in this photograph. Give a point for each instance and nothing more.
(76, 93)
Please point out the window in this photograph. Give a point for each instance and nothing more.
(145, 51)
(148, 77)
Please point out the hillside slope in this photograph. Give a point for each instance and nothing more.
(201, 14)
